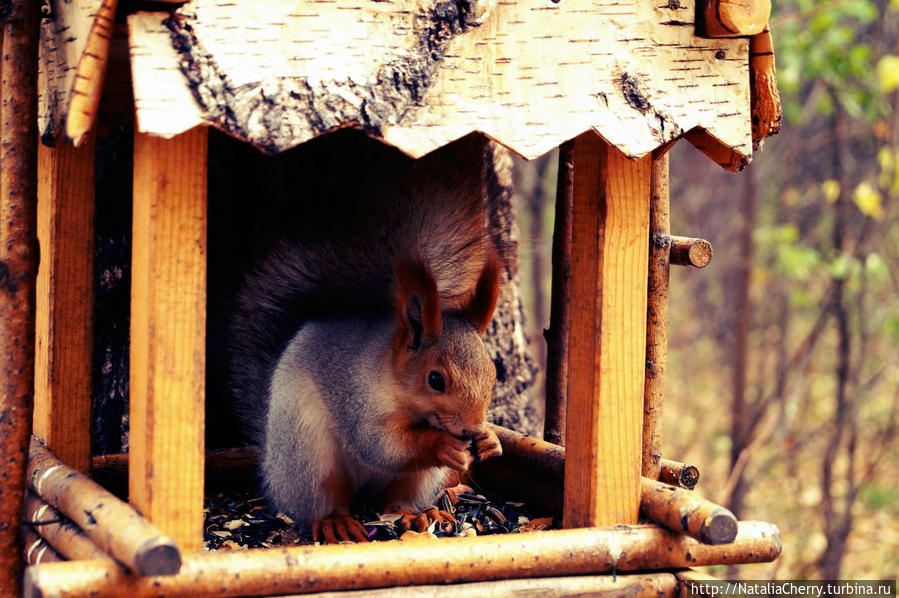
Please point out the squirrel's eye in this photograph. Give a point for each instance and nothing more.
(436, 381)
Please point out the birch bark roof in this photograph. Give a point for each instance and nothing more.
(418, 74)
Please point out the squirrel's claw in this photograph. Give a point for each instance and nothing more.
(338, 528)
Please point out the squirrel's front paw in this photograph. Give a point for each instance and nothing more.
(485, 446)
(453, 452)
(338, 528)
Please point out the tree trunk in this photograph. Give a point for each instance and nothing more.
(838, 511)
(740, 424)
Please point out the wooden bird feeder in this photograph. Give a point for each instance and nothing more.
(613, 83)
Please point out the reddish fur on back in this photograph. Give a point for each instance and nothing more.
(480, 308)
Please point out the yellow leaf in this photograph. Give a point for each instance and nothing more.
(887, 161)
(885, 158)
(888, 72)
(868, 201)
(831, 190)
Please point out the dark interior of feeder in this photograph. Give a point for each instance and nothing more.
(254, 200)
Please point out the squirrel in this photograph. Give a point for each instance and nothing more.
(357, 361)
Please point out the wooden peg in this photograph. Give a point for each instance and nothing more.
(731, 18)
(686, 251)
(765, 109)
(679, 474)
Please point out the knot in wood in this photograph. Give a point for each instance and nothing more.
(633, 95)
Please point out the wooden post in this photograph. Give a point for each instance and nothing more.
(656, 318)
(65, 279)
(610, 235)
(559, 321)
(168, 330)
(18, 267)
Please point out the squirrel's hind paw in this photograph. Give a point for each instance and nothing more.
(338, 528)
(421, 521)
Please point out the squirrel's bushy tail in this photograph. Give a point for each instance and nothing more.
(342, 261)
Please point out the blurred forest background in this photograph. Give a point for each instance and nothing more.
(783, 375)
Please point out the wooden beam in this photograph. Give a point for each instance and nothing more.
(647, 585)
(305, 569)
(168, 330)
(65, 220)
(610, 236)
(18, 269)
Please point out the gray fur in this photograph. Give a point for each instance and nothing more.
(323, 412)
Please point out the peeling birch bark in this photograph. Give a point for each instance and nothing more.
(421, 73)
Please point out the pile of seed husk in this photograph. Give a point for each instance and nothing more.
(241, 520)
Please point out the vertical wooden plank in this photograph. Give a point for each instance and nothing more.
(656, 318)
(18, 268)
(168, 319)
(64, 333)
(610, 233)
(559, 320)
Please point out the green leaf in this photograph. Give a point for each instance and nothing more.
(876, 268)
(865, 12)
(778, 234)
(892, 326)
(799, 261)
(842, 266)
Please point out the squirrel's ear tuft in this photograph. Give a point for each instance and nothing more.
(417, 303)
(480, 308)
